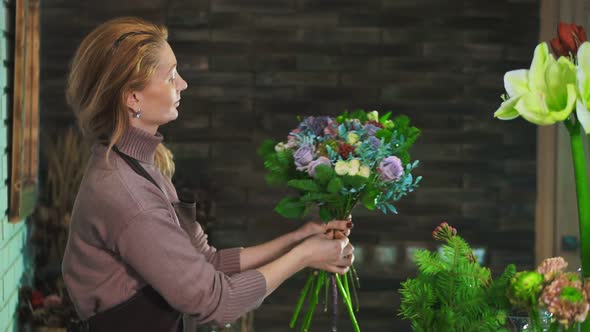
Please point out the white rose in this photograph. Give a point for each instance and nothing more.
(280, 147)
(365, 171)
(354, 167)
(352, 138)
(341, 167)
(373, 116)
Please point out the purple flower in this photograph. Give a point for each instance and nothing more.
(303, 156)
(371, 129)
(320, 161)
(374, 142)
(390, 168)
(316, 124)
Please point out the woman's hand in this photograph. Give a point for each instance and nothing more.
(317, 227)
(325, 252)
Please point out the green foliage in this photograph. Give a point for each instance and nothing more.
(452, 292)
(280, 165)
(410, 135)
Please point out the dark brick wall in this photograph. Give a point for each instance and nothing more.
(253, 65)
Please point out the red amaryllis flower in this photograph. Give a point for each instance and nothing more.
(568, 40)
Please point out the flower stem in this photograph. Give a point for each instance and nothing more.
(313, 301)
(355, 324)
(583, 197)
(535, 320)
(354, 294)
(304, 292)
(346, 288)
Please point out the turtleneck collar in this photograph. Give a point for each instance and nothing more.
(139, 144)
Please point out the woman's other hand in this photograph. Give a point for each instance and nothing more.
(323, 251)
(312, 228)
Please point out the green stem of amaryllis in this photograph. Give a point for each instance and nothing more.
(304, 292)
(346, 299)
(582, 193)
(583, 196)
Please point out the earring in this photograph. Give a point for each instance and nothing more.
(138, 113)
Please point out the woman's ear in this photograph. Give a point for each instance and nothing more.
(132, 100)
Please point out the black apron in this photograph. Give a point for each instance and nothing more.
(146, 311)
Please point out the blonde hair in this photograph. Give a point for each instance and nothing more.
(117, 57)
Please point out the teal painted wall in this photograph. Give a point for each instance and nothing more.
(15, 264)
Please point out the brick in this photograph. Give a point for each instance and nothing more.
(193, 64)
(187, 18)
(296, 78)
(341, 35)
(218, 78)
(308, 62)
(200, 5)
(189, 35)
(228, 20)
(339, 5)
(230, 63)
(298, 20)
(274, 92)
(254, 34)
(345, 95)
(234, 155)
(278, 63)
(265, 6)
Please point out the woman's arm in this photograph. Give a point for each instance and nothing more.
(320, 251)
(257, 256)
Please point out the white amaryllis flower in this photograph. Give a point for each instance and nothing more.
(544, 94)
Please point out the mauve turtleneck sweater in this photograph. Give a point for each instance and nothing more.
(125, 234)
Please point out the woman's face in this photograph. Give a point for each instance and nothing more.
(159, 100)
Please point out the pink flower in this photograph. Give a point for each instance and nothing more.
(566, 299)
(551, 267)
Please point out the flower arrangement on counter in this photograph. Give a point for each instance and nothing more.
(563, 294)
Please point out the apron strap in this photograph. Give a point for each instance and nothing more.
(136, 166)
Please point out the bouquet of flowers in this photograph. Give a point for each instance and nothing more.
(556, 89)
(334, 163)
(564, 294)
